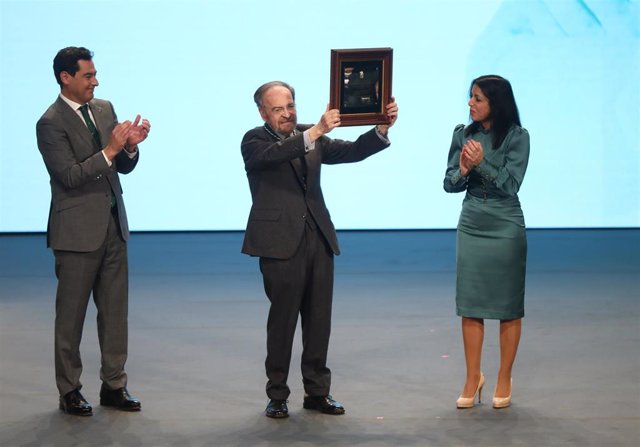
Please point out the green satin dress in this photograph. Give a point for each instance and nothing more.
(491, 243)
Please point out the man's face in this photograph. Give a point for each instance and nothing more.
(79, 87)
(278, 110)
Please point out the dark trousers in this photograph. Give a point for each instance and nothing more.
(301, 285)
(104, 273)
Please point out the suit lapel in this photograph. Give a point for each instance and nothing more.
(74, 122)
(102, 121)
(296, 163)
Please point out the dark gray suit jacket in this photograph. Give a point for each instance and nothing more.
(281, 199)
(81, 179)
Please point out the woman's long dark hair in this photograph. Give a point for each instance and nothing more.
(503, 109)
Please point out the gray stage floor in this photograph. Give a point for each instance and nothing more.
(197, 346)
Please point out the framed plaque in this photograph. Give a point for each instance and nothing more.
(361, 85)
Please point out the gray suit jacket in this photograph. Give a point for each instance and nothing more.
(281, 197)
(81, 179)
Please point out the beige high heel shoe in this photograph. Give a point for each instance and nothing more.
(468, 402)
(503, 402)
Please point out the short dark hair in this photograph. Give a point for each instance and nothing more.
(257, 96)
(503, 109)
(67, 60)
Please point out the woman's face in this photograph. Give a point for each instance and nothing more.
(479, 107)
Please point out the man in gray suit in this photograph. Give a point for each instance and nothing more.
(84, 148)
(291, 231)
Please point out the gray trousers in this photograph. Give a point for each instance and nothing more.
(103, 273)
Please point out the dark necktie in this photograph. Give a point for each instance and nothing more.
(92, 127)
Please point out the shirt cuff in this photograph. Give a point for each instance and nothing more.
(106, 159)
(308, 144)
(382, 137)
(457, 178)
(133, 154)
(486, 170)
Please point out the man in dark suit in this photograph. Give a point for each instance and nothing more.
(291, 231)
(84, 148)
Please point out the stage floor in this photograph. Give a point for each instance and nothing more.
(197, 345)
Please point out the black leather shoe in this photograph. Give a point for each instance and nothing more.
(74, 403)
(277, 409)
(323, 404)
(120, 399)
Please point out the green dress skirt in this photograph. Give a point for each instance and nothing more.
(491, 252)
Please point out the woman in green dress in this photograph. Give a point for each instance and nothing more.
(488, 159)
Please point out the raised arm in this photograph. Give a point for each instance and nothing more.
(454, 180)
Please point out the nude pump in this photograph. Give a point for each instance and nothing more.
(503, 402)
(468, 402)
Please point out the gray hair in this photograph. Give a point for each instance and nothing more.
(257, 96)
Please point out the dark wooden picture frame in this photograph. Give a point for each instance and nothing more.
(361, 85)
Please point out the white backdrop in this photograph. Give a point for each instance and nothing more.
(191, 67)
